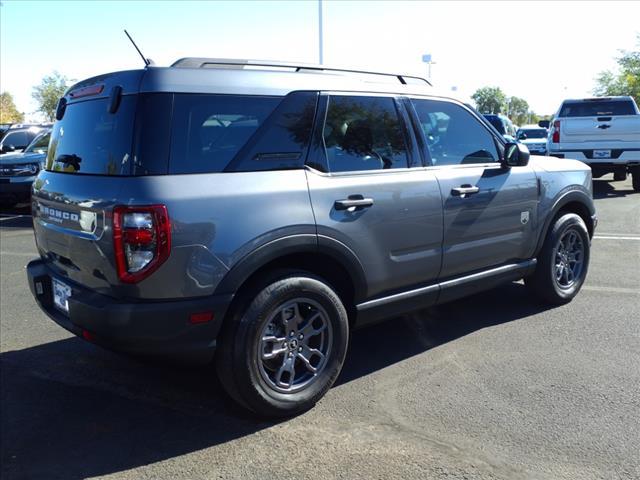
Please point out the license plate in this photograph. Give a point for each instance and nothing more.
(61, 294)
(602, 154)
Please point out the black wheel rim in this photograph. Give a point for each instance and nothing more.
(568, 259)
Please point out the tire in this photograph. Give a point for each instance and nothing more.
(544, 282)
(619, 176)
(283, 384)
(635, 177)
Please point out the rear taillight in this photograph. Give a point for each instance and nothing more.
(555, 138)
(141, 240)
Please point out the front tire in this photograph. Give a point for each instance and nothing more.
(563, 261)
(283, 352)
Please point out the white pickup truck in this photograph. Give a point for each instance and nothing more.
(602, 132)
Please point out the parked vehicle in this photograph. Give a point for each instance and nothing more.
(15, 140)
(603, 132)
(261, 215)
(534, 137)
(19, 170)
(503, 125)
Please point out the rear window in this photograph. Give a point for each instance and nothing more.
(533, 133)
(597, 108)
(90, 140)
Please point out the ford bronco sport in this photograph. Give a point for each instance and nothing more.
(257, 216)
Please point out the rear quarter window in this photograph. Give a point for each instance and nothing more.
(218, 133)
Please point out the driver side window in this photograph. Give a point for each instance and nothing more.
(453, 135)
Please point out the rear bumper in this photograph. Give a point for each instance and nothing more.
(149, 328)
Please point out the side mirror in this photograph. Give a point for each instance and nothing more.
(544, 123)
(8, 148)
(515, 155)
(522, 136)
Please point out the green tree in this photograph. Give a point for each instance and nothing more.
(489, 99)
(518, 110)
(626, 81)
(48, 92)
(8, 111)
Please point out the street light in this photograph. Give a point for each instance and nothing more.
(320, 30)
(426, 58)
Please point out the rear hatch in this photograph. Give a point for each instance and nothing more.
(599, 120)
(89, 155)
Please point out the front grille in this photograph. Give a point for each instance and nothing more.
(18, 170)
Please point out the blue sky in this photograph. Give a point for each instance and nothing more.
(542, 51)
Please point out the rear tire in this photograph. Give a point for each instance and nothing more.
(635, 176)
(281, 354)
(563, 261)
(619, 176)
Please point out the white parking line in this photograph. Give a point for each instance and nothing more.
(614, 237)
(18, 254)
(632, 291)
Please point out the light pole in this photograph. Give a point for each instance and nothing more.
(320, 31)
(426, 58)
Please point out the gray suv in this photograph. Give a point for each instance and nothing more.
(257, 216)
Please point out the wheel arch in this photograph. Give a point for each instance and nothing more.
(575, 201)
(319, 255)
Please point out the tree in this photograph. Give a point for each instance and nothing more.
(48, 92)
(8, 111)
(518, 110)
(626, 81)
(489, 99)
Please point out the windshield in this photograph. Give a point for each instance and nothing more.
(594, 108)
(90, 140)
(533, 133)
(40, 144)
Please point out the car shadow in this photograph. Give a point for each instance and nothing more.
(605, 189)
(72, 410)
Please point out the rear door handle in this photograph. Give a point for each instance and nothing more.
(355, 202)
(464, 190)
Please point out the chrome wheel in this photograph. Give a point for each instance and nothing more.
(569, 259)
(294, 345)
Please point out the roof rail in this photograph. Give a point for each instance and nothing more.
(200, 62)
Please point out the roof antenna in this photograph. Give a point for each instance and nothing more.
(147, 61)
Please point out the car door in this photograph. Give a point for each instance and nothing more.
(490, 211)
(365, 195)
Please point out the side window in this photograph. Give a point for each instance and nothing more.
(281, 142)
(209, 130)
(453, 135)
(363, 133)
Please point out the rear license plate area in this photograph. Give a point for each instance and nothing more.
(602, 154)
(61, 294)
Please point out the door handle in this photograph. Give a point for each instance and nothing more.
(463, 190)
(355, 202)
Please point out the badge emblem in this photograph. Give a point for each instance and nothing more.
(524, 217)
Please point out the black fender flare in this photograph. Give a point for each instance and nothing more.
(571, 196)
(295, 244)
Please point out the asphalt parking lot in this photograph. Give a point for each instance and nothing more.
(494, 386)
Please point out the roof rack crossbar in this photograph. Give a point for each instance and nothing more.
(198, 62)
